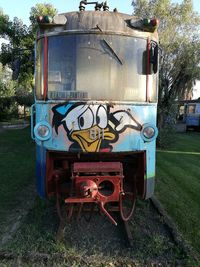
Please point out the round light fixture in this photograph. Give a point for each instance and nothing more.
(42, 131)
(149, 132)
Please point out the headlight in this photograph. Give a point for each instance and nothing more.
(149, 132)
(42, 131)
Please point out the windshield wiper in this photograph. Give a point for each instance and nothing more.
(113, 51)
(110, 47)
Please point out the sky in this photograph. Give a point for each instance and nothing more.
(21, 8)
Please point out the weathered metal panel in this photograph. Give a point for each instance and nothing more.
(98, 21)
(107, 21)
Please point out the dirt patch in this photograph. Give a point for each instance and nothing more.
(97, 243)
(12, 219)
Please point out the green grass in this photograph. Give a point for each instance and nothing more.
(17, 166)
(178, 184)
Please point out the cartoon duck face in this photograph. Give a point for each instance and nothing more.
(91, 127)
(88, 126)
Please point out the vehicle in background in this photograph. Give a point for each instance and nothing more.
(189, 113)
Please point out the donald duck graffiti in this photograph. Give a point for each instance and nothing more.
(92, 127)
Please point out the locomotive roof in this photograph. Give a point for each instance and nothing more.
(104, 21)
(107, 21)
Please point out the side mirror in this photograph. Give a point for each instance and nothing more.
(154, 56)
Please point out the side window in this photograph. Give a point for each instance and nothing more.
(198, 108)
(191, 109)
(181, 112)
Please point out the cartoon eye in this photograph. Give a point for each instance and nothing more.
(72, 118)
(102, 118)
(86, 119)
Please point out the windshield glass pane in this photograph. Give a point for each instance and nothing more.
(96, 67)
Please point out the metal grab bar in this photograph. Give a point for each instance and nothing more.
(32, 121)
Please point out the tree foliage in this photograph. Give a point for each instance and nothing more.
(7, 86)
(179, 66)
(17, 54)
(180, 43)
(18, 49)
(21, 42)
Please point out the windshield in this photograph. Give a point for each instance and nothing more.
(96, 67)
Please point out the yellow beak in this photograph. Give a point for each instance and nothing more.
(90, 140)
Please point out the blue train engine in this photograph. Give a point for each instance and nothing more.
(94, 117)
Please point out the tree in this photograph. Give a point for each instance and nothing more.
(180, 43)
(18, 53)
(19, 48)
(7, 86)
(7, 93)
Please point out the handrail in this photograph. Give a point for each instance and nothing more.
(32, 121)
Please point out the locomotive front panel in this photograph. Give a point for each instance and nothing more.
(95, 125)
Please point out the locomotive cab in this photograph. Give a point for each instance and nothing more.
(95, 109)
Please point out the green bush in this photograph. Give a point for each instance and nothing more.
(8, 108)
(24, 98)
(9, 105)
(166, 126)
(166, 136)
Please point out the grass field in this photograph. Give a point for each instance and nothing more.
(17, 166)
(178, 184)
